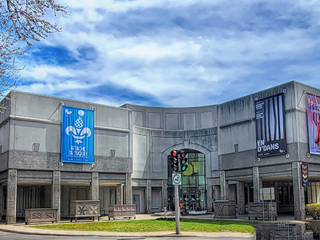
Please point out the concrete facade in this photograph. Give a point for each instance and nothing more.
(132, 145)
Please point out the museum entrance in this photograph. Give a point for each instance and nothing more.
(192, 192)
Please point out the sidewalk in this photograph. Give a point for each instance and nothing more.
(25, 229)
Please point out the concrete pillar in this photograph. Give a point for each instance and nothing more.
(223, 186)
(65, 201)
(1, 202)
(257, 184)
(94, 186)
(148, 199)
(145, 199)
(119, 194)
(12, 196)
(56, 192)
(209, 196)
(276, 192)
(298, 192)
(241, 200)
(217, 194)
(128, 189)
(164, 193)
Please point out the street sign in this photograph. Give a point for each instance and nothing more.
(176, 178)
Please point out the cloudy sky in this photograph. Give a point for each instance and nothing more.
(175, 52)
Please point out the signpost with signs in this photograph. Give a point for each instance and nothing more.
(176, 181)
(176, 178)
(175, 156)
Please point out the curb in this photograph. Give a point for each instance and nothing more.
(218, 235)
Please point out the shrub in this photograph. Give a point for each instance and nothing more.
(314, 210)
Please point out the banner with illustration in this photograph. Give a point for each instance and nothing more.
(270, 126)
(313, 111)
(77, 135)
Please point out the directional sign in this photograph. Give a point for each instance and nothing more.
(176, 179)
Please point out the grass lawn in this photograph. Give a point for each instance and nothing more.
(196, 225)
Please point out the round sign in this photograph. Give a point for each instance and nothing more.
(176, 179)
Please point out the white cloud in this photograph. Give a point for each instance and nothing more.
(42, 72)
(204, 50)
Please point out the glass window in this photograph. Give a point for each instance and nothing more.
(193, 188)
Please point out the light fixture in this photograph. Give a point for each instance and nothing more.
(35, 147)
(112, 152)
(236, 147)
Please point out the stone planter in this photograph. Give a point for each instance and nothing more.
(262, 210)
(37, 215)
(84, 208)
(225, 209)
(125, 210)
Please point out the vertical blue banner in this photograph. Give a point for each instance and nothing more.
(77, 135)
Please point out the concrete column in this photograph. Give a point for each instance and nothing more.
(298, 192)
(217, 194)
(94, 186)
(1, 202)
(209, 196)
(65, 201)
(164, 193)
(276, 192)
(148, 199)
(256, 184)
(128, 189)
(241, 200)
(223, 186)
(145, 199)
(119, 194)
(56, 192)
(12, 196)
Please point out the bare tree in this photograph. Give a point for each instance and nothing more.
(22, 22)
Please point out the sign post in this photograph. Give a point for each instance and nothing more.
(176, 181)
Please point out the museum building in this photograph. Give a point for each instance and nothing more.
(248, 150)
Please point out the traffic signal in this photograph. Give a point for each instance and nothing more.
(304, 175)
(174, 160)
(183, 161)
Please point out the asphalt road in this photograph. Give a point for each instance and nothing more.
(15, 236)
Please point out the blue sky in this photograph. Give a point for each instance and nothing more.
(175, 52)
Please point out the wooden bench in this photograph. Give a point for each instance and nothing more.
(37, 215)
(84, 209)
(124, 210)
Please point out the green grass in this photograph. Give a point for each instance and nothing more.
(196, 225)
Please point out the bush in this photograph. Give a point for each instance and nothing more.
(314, 210)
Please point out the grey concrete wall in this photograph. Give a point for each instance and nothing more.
(6, 102)
(152, 147)
(51, 161)
(237, 127)
(4, 136)
(36, 119)
(302, 122)
(174, 118)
